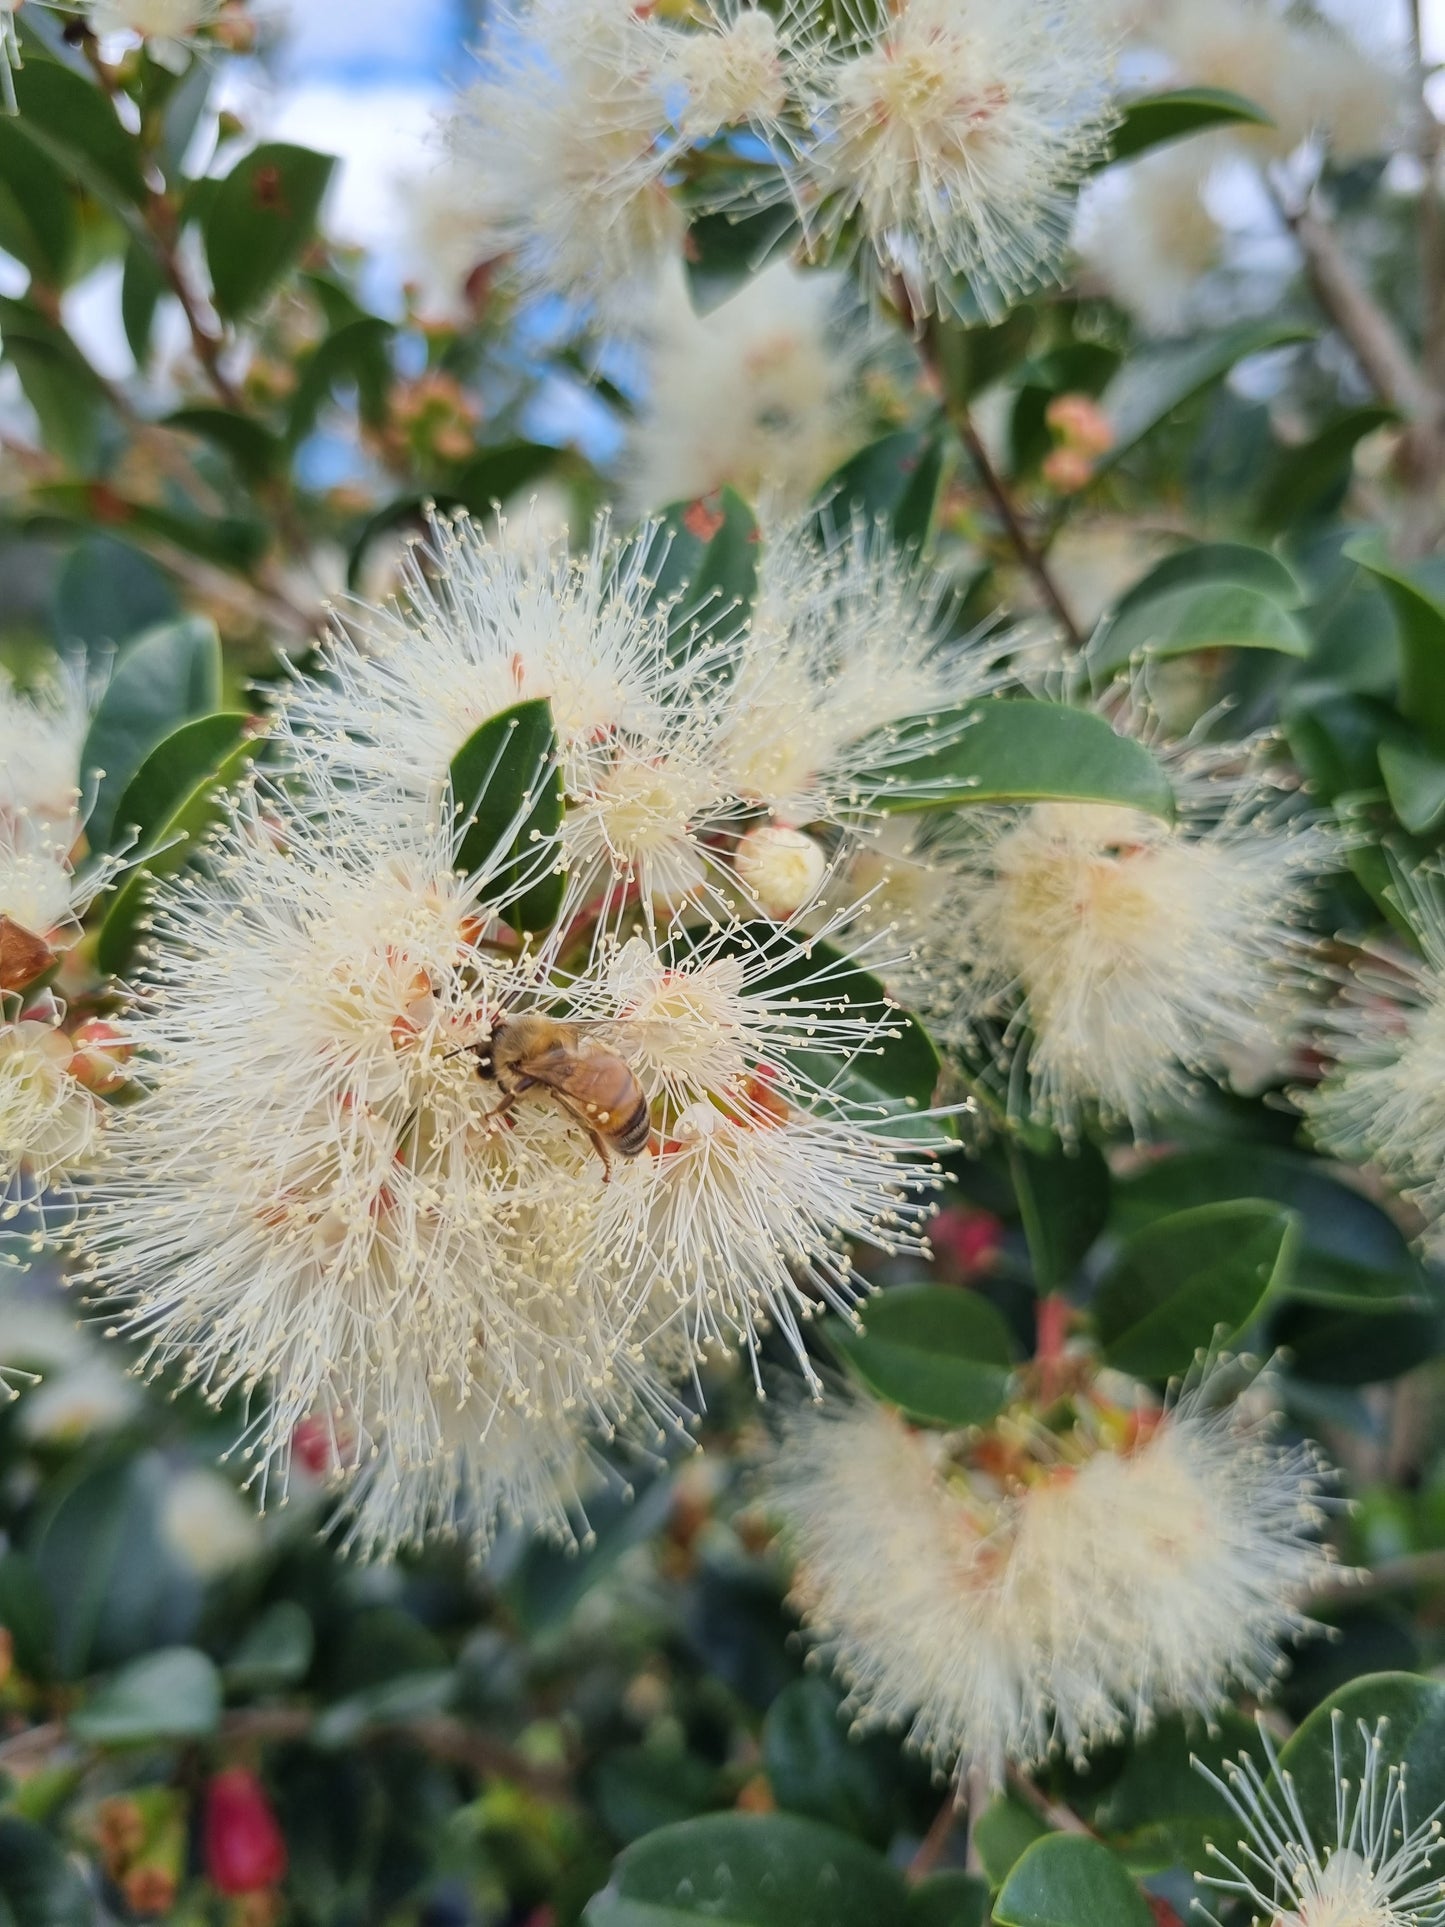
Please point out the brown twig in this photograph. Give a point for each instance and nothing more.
(937, 1837)
(1063, 1819)
(1031, 556)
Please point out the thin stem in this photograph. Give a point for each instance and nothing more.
(937, 1838)
(1394, 1575)
(1062, 1818)
(1030, 556)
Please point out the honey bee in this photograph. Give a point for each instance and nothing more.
(593, 1085)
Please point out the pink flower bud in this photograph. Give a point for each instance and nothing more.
(244, 1850)
(100, 1057)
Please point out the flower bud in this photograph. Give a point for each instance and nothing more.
(100, 1056)
(783, 868)
(1080, 423)
(244, 1850)
(1067, 470)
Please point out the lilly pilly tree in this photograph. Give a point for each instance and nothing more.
(722, 1165)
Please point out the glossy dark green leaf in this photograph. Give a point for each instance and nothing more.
(142, 287)
(1208, 615)
(252, 447)
(26, 1615)
(357, 354)
(37, 208)
(816, 1767)
(1310, 479)
(942, 1355)
(1413, 1738)
(169, 1695)
(1152, 384)
(181, 791)
(259, 219)
(167, 677)
(70, 120)
(107, 592)
(1003, 1834)
(1420, 622)
(948, 1900)
(1158, 118)
(749, 1870)
(1415, 784)
(1184, 1278)
(894, 481)
(275, 1651)
(59, 383)
(1026, 752)
(1069, 1880)
(39, 1885)
(1160, 1810)
(894, 1079)
(1063, 1199)
(637, 1789)
(508, 795)
(707, 554)
(1217, 562)
(972, 359)
(548, 1585)
(722, 251)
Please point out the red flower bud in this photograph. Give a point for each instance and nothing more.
(245, 1852)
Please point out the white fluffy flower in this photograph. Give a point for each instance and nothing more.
(41, 737)
(87, 1398)
(1307, 73)
(730, 68)
(955, 131)
(1010, 1592)
(49, 1123)
(1385, 1095)
(846, 656)
(1110, 958)
(166, 26)
(1377, 1871)
(1147, 234)
(564, 139)
(208, 1524)
(761, 392)
(312, 1194)
(764, 1168)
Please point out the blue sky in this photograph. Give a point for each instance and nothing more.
(373, 42)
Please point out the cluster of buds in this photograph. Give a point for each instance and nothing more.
(1082, 434)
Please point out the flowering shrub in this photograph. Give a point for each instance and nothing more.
(721, 1149)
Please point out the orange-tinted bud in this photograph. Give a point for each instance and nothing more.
(101, 1055)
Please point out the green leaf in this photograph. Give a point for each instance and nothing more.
(25, 1614)
(1150, 386)
(186, 805)
(709, 558)
(107, 592)
(1003, 1834)
(141, 288)
(1185, 1277)
(1420, 622)
(942, 1355)
(1026, 752)
(1414, 1739)
(37, 209)
(1063, 1198)
(170, 1695)
(166, 677)
(749, 1870)
(1160, 1810)
(549, 1584)
(893, 481)
(816, 1767)
(1068, 1880)
(972, 359)
(1415, 784)
(1217, 562)
(494, 475)
(39, 1886)
(358, 352)
(1210, 615)
(275, 1650)
(637, 1789)
(948, 1900)
(70, 120)
(896, 1077)
(254, 449)
(508, 792)
(259, 219)
(1158, 118)
(722, 251)
(59, 383)
(1311, 479)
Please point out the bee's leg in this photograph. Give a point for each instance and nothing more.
(500, 1110)
(599, 1145)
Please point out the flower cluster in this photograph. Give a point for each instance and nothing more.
(949, 137)
(471, 1199)
(1377, 1871)
(1055, 1579)
(52, 1072)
